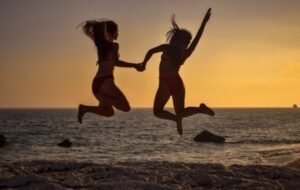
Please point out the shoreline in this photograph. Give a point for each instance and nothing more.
(43, 174)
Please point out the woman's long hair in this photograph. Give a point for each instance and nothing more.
(98, 31)
(176, 33)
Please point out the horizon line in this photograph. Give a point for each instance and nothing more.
(217, 107)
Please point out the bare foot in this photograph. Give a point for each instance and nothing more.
(80, 113)
(179, 127)
(204, 109)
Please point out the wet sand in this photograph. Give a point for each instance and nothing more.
(144, 175)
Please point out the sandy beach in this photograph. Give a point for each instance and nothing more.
(144, 175)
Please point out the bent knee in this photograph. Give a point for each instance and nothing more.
(157, 112)
(109, 112)
(127, 108)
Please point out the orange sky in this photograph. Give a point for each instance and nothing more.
(249, 55)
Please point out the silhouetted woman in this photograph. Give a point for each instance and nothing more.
(174, 54)
(103, 33)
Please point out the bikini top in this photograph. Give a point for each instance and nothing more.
(110, 58)
(166, 58)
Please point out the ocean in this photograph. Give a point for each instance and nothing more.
(253, 136)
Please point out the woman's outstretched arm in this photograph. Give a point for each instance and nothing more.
(152, 51)
(121, 63)
(141, 67)
(137, 66)
(194, 43)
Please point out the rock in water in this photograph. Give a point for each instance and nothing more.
(2, 140)
(65, 143)
(206, 136)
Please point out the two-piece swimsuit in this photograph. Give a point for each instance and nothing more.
(99, 80)
(174, 82)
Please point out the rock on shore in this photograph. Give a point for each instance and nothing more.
(65, 143)
(206, 136)
(2, 140)
(144, 175)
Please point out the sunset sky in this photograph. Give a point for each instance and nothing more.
(249, 54)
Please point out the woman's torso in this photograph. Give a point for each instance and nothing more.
(171, 61)
(106, 65)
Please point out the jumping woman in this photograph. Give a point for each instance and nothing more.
(103, 33)
(174, 54)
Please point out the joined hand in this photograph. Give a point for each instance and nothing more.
(140, 67)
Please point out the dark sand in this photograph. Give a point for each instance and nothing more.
(144, 175)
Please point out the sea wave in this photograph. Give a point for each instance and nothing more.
(265, 141)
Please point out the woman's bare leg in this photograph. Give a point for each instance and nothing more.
(189, 111)
(181, 112)
(178, 103)
(109, 95)
(113, 96)
(161, 98)
(106, 111)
